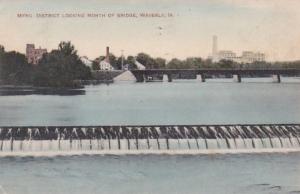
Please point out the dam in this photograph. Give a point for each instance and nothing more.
(143, 138)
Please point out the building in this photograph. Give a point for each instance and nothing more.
(105, 64)
(246, 57)
(226, 55)
(139, 65)
(250, 57)
(33, 55)
(86, 61)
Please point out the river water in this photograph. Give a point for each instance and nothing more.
(181, 102)
(185, 102)
(144, 174)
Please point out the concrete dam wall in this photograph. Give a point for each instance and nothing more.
(129, 138)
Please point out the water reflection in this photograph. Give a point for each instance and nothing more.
(62, 92)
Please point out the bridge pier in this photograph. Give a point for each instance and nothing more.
(140, 74)
(237, 78)
(167, 78)
(145, 77)
(170, 79)
(276, 78)
(140, 77)
(200, 77)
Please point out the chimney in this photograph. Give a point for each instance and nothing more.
(215, 45)
(107, 54)
(215, 49)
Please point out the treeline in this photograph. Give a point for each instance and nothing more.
(14, 68)
(115, 62)
(149, 62)
(198, 63)
(58, 69)
(62, 66)
(188, 63)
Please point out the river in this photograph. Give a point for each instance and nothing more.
(180, 102)
(144, 174)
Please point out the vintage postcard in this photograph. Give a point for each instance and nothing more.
(149, 96)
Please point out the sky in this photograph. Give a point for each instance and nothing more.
(269, 26)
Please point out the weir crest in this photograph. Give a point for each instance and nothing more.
(160, 137)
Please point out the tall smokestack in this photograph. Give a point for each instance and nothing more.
(107, 54)
(215, 48)
(215, 45)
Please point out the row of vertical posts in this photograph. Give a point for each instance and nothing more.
(201, 77)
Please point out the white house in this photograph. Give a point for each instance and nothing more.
(104, 65)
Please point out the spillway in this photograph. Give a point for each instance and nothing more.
(149, 138)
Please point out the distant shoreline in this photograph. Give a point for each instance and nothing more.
(11, 90)
(30, 87)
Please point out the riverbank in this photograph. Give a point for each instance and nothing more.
(105, 75)
(7, 90)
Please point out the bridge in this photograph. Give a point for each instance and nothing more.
(202, 74)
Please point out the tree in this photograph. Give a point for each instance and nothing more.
(175, 64)
(192, 63)
(113, 61)
(101, 58)
(160, 63)
(67, 49)
(14, 68)
(2, 50)
(131, 62)
(151, 63)
(118, 64)
(61, 67)
(95, 64)
(226, 63)
(145, 60)
(207, 63)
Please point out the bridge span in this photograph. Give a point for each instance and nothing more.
(203, 74)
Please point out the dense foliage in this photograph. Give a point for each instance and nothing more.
(60, 68)
(14, 68)
(188, 63)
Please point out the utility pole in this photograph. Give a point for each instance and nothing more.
(122, 59)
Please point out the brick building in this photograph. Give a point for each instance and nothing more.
(33, 55)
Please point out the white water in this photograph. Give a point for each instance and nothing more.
(102, 146)
(149, 152)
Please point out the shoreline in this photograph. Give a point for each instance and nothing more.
(30, 87)
(11, 90)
